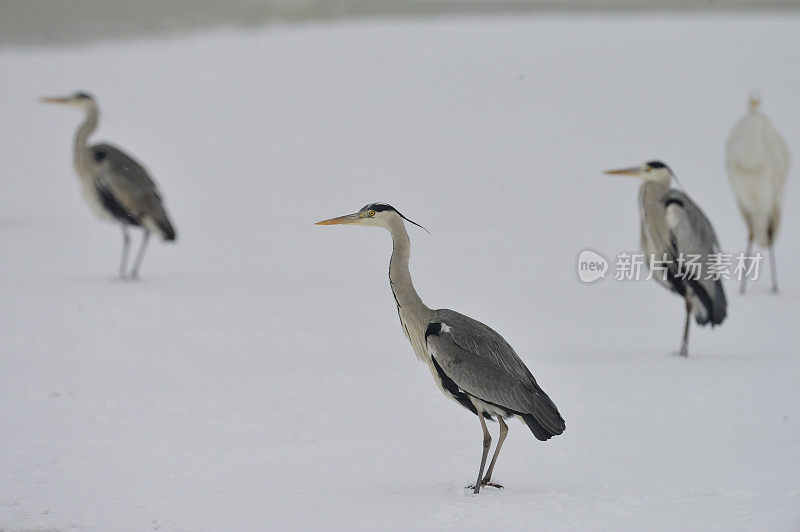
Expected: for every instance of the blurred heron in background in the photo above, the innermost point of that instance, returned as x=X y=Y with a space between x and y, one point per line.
x=675 y=231
x=757 y=160
x=116 y=187
x=470 y=363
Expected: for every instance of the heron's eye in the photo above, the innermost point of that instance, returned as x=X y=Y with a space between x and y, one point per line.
x=372 y=213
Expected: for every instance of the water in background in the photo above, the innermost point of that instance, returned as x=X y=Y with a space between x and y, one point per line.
x=55 y=22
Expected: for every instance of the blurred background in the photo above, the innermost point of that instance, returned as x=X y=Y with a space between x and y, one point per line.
x=54 y=22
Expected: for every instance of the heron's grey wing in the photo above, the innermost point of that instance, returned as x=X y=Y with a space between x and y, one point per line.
x=688 y=234
x=482 y=364
x=119 y=176
x=688 y=223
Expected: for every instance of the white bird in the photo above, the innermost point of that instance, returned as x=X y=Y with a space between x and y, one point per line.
x=757 y=161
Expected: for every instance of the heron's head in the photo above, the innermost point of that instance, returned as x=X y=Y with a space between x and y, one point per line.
x=374 y=214
x=81 y=100
x=649 y=171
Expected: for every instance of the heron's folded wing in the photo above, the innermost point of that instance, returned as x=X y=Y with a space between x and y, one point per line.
x=476 y=337
x=482 y=364
x=683 y=230
x=479 y=376
x=691 y=231
x=689 y=235
x=126 y=180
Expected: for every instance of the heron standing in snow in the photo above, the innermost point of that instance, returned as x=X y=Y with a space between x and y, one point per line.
x=674 y=228
x=470 y=363
x=757 y=161
x=116 y=187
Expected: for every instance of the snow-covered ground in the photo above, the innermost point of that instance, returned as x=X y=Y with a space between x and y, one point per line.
x=257 y=377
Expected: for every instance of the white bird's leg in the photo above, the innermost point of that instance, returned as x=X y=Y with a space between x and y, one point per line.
x=126 y=244
x=503 y=433
x=772 y=268
x=487 y=442
x=685 y=343
x=747 y=258
x=140 y=255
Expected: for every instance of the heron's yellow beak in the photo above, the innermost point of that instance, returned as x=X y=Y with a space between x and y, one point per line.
x=633 y=171
x=51 y=99
x=347 y=219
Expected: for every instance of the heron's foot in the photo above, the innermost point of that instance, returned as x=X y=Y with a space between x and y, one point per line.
x=684 y=352
x=486 y=482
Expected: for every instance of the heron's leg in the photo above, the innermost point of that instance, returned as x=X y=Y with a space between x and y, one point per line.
x=140 y=255
x=487 y=442
x=126 y=244
x=503 y=433
x=772 y=268
x=685 y=343
x=747 y=256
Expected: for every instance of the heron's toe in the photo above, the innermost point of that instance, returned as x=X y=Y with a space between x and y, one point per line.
x=484 y=483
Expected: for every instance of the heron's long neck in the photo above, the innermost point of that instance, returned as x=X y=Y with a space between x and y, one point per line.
x=399 y=275
x=651 y=203
x=86 y=129
x=651 y=193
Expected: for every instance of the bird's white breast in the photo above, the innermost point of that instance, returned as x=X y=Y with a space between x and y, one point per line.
x=757 y=161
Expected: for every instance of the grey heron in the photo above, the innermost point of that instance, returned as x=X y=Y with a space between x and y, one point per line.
x=757 y=161
x=674 y=231
x=116 y=187
x=470 y=363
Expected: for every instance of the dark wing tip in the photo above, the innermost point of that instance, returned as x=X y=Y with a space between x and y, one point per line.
x=541 y=432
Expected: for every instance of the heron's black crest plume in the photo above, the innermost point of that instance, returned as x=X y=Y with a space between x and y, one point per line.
x=83 y=95
x=380 y=207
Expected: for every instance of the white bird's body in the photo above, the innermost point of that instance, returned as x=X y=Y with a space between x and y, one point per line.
x=757 y=161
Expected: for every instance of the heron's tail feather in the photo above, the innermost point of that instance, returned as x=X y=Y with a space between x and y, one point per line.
x=158 y=222
x=708 y=300
x=167 y=231
x=545 y=421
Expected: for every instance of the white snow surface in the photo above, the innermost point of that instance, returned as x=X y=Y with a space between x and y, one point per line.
x=257 y=377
